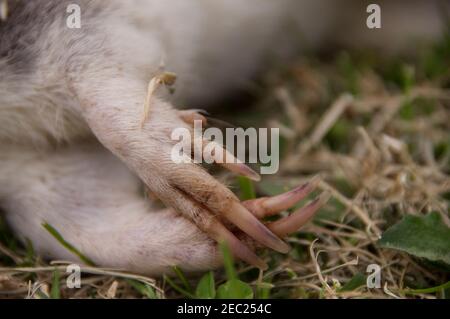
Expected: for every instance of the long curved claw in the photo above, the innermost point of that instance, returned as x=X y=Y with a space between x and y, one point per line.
x=216 y=198
x=211 y=225
x=284 y=201
x=293 y=222
x=248 y=223
x=219 y=233
x=224 y=158
x=267 y=206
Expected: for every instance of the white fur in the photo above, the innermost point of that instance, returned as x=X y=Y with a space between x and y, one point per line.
x=96 y=204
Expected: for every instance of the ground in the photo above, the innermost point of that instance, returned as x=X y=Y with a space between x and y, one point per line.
x=377 y=131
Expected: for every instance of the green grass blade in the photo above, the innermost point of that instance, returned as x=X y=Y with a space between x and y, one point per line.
x=67 y=245
x=428 y=290
x=178 y=288
x=55 y=293
x=228 y=261
x=183 y=279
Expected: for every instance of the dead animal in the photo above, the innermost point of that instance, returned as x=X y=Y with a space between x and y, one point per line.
x=81 y=129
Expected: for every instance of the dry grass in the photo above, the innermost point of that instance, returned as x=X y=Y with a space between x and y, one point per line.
x=378 y=133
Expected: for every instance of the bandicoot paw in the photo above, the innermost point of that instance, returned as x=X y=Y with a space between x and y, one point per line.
x=141 y=136
x=240 y=242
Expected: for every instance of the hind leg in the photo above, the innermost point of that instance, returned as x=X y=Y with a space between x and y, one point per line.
x=98 y=206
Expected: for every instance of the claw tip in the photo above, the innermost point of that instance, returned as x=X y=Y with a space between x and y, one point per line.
x=251 y=174
x=285 y=248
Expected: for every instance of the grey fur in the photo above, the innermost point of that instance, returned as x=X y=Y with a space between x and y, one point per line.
x=26 y=23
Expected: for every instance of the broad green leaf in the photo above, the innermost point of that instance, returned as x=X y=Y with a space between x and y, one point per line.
x=421 y=236
x=206 y=287
x=357 y=281
x=234 y=289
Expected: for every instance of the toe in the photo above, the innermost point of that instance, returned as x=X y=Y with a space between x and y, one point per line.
x=208 y=223
x=267 y=206
x=293 y=222
x=207 y=191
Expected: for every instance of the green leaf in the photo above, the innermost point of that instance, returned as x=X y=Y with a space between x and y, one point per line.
x=357 y=281
x=206 y=288
x=143 y=289
x=247 y=189
x=421 y=236
x=67 y=245
x=234 y=289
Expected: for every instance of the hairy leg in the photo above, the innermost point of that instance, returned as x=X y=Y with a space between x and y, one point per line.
x=99 y=207
x=114 y=109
